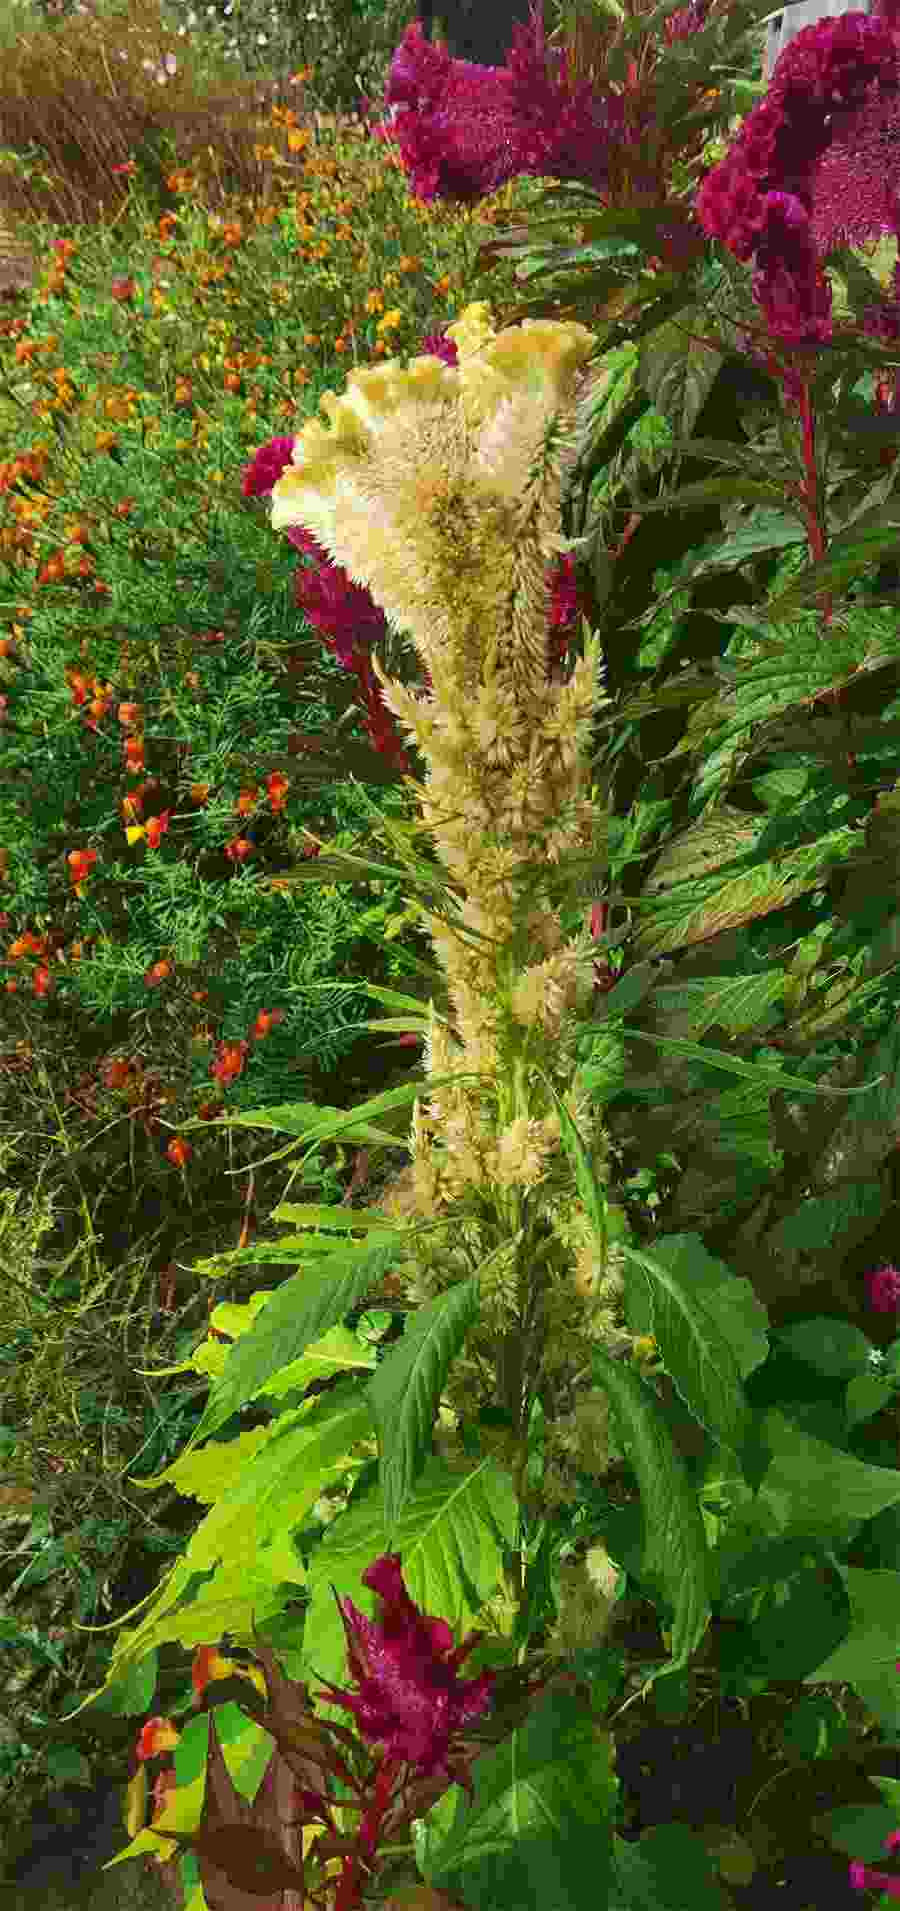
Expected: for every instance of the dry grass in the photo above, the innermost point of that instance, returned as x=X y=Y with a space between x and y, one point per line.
x=80 y=95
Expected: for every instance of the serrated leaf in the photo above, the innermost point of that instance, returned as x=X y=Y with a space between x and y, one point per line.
x=739 y=1003
x=675 y=1549
x=297 y=1315
x=712 y=905
x=405 y=1389
x=846 y=560
x=727 y=1297
x=539 y=1832
x=677 y=372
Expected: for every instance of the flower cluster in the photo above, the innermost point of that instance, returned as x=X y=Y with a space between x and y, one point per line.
x=465 y=130
x=811 y=168
x=344 y=614
x=883 y=1288
x=688 y=20
x=410 y=1704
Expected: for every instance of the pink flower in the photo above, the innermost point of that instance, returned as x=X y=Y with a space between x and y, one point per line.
x=410 y=1701
x=884 y=1289
x=464 y=130
x=808 y=166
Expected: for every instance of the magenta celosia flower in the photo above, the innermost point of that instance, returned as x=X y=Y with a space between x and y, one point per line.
x=266 y=466
x=688 y=20
x=464 y=130
x=883 y=1288
x=807 y=170
x=410 y=1700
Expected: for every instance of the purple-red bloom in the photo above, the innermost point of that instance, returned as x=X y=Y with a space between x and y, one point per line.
x=811 y=169
x=464 y=130
x=410 y=1700
x=884 y=1289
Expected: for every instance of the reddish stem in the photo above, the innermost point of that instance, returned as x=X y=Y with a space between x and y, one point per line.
x=347 y=1896
x=815 y=530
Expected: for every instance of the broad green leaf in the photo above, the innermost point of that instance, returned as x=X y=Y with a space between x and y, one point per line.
x=824 y=1220
x=228 y=1601
x=845 y=561
x=727 y=1297
x=451 y=1537
x=276 y=1487
x=667 y=1869
x=539 y=1832
x=859 y=1830
x=832 y=1346
x=738 y=1003
x=710 y=905
x=297 y=1315
x=405 y=1390
x=867 y=1657
x=338 y=1352
x=675 y=1548
x=867 y=1395
x=812 y=1487
x=692 y=1347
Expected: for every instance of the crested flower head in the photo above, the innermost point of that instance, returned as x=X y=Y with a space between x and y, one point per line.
x=811 y=168
x=465 y=130
x=417 y=487
x=410 y=1700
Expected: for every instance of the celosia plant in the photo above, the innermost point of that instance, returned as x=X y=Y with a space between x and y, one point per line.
x=439 y=487
x=411 y=1706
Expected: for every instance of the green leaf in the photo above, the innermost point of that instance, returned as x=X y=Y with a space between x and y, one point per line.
x=405 y=1389
x=675 y=1549
x=812 y=1487
x=846 y=560
x=693 y=1349
x=707 y=906
x=830 y=1345
x=539 y=1832
x=866 y=1658
x=677 y=372
x=451 y=1537
x=589 y=1189
x=668 y=1869
x=824 y=1220
x=759 y=1072
x=296 y=1315
x=337 y=1220
x=859 y=1830
x=815 y=1728
x=867 y=1395
x=706 y=491
x=802 y=1620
